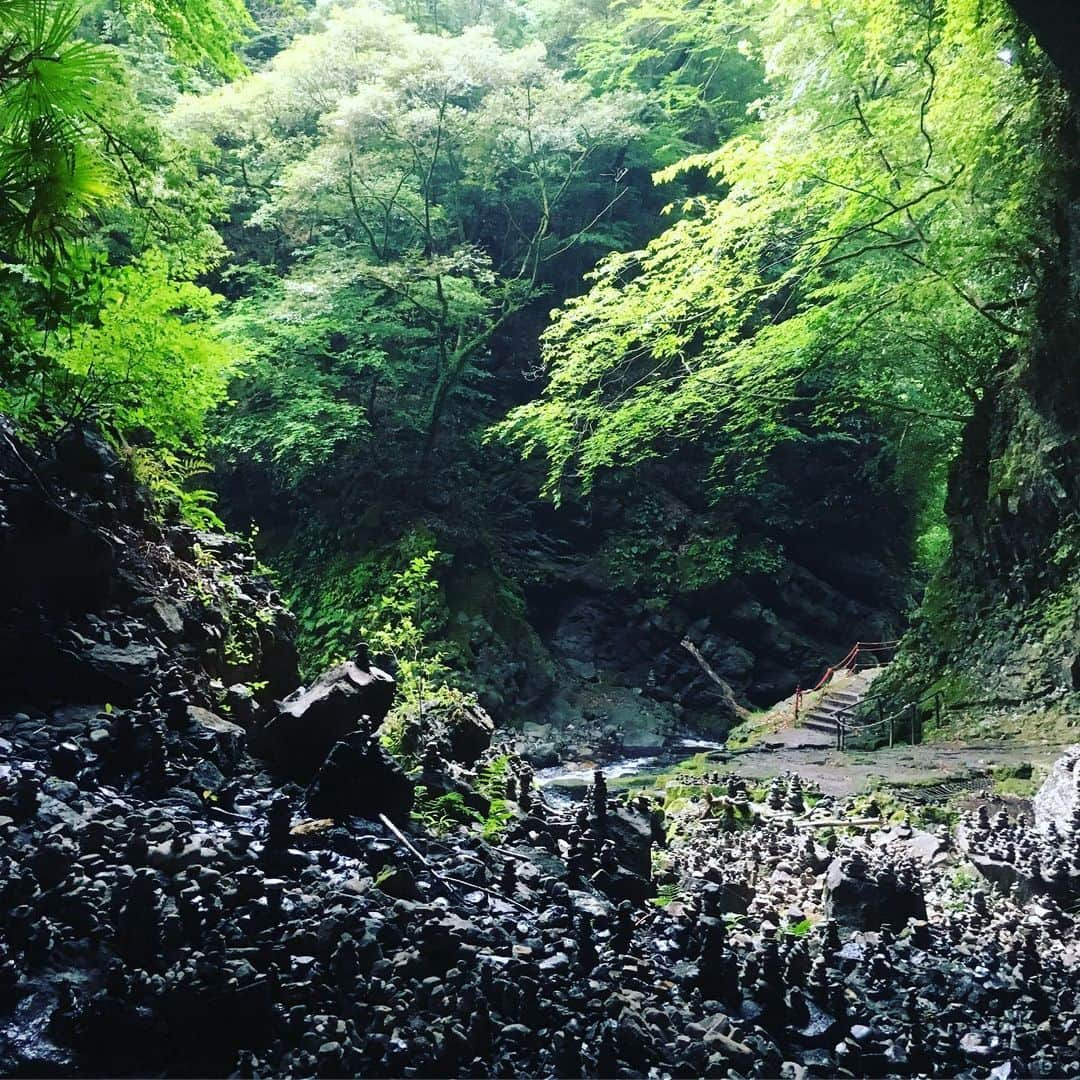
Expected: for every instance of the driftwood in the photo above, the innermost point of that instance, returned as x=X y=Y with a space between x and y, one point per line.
x=457 y=883
x=726 y=1041
x=856 y=822
x=695 y=652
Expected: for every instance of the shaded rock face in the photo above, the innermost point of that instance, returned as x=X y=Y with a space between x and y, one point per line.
x=1002 y=621
x=309 y=722
x=101 y=604
x=857 y=900
x=625 y=592
x=1058 y=798
x=631 y=831
x=461 y=731
x=360 y=778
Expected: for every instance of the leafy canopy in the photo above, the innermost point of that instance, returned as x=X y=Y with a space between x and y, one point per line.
x=870 y=244
x=422 y=186
x=50 y=175
x=103 y=229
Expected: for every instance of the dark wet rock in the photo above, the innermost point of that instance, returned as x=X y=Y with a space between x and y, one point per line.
x=120 y=673
x=399 y=882
x=163 y=617
x=463 y=728
x=229 y=737
x=167 y=907
x=81 y=452
x=631 y=831
x=345 y=699
x=859 y=899
x=359 y=777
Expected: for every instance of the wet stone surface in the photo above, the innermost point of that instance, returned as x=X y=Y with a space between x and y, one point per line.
x=145 y=930
x=171 y=904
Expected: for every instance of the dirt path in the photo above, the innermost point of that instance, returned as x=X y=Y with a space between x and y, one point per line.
x=853 y=771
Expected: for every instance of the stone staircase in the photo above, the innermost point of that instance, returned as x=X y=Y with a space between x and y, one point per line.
x=838 y=699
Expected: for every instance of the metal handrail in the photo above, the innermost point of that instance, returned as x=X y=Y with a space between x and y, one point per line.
x=849 y=663
x=909 y=711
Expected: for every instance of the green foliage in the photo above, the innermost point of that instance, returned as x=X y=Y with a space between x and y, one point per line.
x=421 y=185
x=140 y=354
x=869 y=245
x=204 y=32
x=491 y=779
x=398 y=624
x=695 y=61
x=103 y=231
x=152 y=359
x=661 y=554
x=441 y=815
x=390 y=600
x=50 y=174
x=963 y=880
x=1017 y=786
x=500 y=815
x=932 y=548
x=925 y=816
x=667 y=893
x=168 y=476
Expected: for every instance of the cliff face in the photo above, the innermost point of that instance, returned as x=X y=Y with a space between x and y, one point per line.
x=1001 y=624
x=103 y=606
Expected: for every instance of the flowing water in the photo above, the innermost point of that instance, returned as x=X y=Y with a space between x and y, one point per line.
x=568 y=781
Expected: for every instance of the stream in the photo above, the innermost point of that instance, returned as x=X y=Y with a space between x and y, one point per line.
x=568 y=781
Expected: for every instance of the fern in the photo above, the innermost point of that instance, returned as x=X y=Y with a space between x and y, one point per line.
x=500 y=815
x=667 y=894
x=442 y=814
x=491 y=777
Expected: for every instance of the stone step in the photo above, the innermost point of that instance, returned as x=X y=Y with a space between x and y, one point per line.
x=822 y=717
x=834 y=708
x=839 y=705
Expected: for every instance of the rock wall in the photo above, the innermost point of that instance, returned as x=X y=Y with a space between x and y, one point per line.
x=1000 y=626
x=103 y=606
x=652 y=619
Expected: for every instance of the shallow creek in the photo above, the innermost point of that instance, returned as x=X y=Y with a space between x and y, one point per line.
x=568 y=781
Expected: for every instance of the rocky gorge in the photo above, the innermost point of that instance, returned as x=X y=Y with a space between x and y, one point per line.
x=207 y=871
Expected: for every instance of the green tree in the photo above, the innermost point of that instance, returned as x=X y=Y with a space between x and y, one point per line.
x=870 y=246
x=50 y=174
x=695 y=61
x=415 y=180
x=101 y=236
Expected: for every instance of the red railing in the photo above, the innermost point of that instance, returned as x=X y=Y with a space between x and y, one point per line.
x=849 y=663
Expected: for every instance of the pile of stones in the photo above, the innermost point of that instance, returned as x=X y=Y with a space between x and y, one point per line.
x=144 y=929
x=196 y=880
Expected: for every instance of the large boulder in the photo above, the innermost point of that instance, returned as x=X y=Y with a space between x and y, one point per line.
x=360 y=778
x=462 y=730
x=1056 y=800
x=81 y=454
x=348 y=697
x=124 y=671
x=630 y=829
x=861 y=900
x=229 y=737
